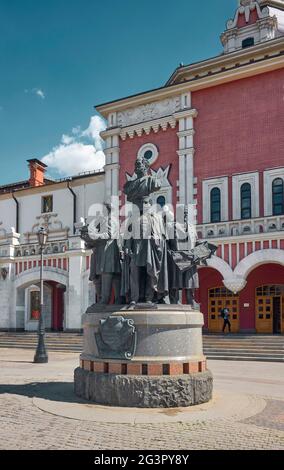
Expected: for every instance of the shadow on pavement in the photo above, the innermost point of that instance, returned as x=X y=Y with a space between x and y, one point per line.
x=54 y=391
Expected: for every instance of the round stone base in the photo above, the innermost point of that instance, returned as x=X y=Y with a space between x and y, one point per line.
x=144 y=391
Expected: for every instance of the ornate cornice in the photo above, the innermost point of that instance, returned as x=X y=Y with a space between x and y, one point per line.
x=188 y=151
x=186 y=113
x=146 y=127
x=189 y=132
x=110 y=150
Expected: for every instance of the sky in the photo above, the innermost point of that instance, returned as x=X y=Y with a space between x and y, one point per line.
x=59 y=58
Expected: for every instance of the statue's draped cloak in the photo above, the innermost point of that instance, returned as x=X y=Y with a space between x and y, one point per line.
x=136 y=190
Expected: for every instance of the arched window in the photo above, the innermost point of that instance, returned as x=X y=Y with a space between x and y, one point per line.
x=246 y=201
x=215 y=205
x=161 y=201
x=248 y=42
x=278 y=196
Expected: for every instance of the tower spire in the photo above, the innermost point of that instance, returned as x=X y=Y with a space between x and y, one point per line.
x=255 y=21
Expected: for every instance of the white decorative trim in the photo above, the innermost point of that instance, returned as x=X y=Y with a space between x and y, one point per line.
x=186 y=113
x=252 y=261
x=149 y=147
x=220 y=265
x=149 y=112
x=235 y=284
x=269 y=176
x=29 y=323
x=246 y=7
x=147 y=127
x=207 y=186
x=110 y=132
x=50 y=274
x=185 y=152
x=238 y=181
x=112 y=166
x=32 y=325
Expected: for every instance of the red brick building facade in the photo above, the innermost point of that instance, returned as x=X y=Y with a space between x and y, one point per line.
x=216 y=131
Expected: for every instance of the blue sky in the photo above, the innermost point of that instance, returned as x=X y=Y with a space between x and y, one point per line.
x=58 y=58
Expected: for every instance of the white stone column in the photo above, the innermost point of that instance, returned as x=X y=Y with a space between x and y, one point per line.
x=75 y=289
x=111 y=137
x=186 y=153
x=7 y=275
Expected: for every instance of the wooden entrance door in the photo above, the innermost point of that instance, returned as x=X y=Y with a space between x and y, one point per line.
x=58 y=308
x=264 y=314
x=220 y=298
x=270 y=309
x=277 y=315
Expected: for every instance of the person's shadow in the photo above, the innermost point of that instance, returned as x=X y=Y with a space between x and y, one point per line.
x=54 y=391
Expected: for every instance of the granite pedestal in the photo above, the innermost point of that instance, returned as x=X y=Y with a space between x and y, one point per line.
x=166 y=367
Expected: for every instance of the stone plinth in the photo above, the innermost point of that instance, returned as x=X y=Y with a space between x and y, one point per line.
x=167 y=367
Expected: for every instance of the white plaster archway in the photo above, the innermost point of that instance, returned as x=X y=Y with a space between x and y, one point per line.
x=252 y=261
x=32 y=276
x=220 y=265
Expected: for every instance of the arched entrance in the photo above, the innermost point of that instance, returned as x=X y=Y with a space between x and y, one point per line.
x=261 y=301
x=219 y=298
x=270 y=309
x=27 y=310
x=53 y=308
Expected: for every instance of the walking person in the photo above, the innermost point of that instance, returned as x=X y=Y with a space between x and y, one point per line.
x=226 y=317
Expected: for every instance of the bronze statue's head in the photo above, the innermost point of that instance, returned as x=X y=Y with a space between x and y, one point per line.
x=141 y=167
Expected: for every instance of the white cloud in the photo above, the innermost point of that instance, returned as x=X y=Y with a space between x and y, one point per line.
x=67 y=139
x=82 y=151
x=40 y=93
x=36 y=91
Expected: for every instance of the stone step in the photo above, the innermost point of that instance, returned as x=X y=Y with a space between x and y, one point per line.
x=266 y=348
x=255 y=352
x=49 y=347
x=263 y=358
x=243 y=350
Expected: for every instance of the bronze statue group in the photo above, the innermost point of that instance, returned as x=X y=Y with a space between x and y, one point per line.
x=153 y=258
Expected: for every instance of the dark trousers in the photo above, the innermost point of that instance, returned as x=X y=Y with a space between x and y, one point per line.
x=110 y=281
x=174 y=296
x=227 y=322
x=140 y=284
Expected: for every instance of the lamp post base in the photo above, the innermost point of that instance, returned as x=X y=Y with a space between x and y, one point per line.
x=41 y=356
x=40 y=359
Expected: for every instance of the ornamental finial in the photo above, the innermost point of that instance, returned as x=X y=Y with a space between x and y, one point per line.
x=245 y=3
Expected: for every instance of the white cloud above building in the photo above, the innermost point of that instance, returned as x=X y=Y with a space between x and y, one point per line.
x=79 y=152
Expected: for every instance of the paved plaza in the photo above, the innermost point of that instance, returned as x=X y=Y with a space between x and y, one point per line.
x=39 y=411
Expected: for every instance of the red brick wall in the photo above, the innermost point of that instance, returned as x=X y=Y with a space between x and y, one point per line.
x=167 y=143
x=239 y=128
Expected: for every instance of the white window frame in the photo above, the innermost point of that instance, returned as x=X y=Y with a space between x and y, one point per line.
x=207 y=186
x=269 y=176
x=145 y=148
x=238 y=181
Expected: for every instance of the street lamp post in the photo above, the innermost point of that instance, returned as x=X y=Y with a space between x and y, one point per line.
x=41 y=356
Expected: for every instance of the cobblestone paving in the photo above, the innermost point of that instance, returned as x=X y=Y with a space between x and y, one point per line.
x=271 y=417
x=23 y=426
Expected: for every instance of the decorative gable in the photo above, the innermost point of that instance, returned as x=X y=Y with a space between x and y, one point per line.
x=255 y=21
